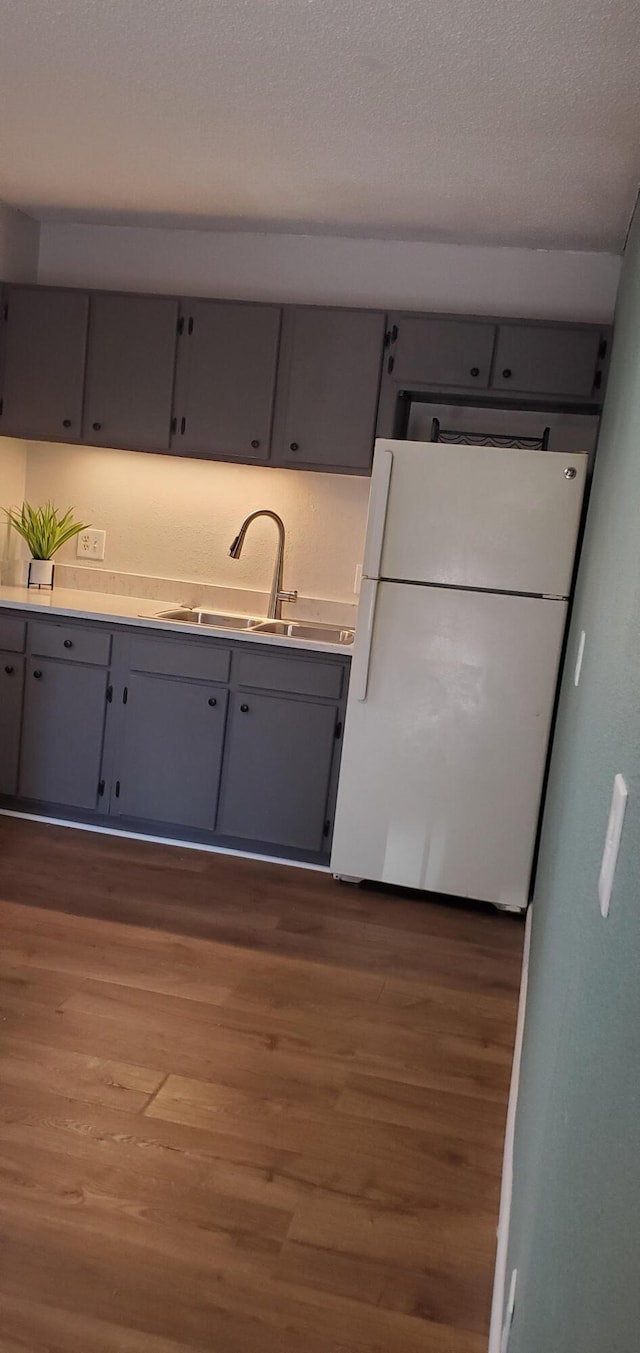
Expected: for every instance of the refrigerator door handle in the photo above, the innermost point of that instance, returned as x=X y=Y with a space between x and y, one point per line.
x=364 y=638
x=378 y=500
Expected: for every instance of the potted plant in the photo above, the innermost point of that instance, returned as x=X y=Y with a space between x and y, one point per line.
x=45 y=531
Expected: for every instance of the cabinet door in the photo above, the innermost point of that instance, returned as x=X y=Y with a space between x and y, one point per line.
x=439 y=351
x=168 y=769
x=225 y=379
x=130 y=367
x=328 y=380
x=62 y=732
x=45 y=335
x=277 y=768
x=542 y=360
x=11 y=687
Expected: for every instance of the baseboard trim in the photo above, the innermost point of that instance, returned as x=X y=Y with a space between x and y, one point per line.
x=506 y=1192
x=164 y=840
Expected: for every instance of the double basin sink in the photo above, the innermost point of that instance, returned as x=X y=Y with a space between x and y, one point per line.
x=288 y=629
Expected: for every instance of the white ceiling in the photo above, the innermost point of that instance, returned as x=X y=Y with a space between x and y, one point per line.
x=507 y=121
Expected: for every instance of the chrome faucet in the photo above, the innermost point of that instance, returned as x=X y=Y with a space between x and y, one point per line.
x=276 y=596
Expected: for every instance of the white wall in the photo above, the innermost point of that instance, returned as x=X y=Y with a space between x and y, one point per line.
x=331 y=269
x=19 y=244
x=19 y=238
x=174 y=518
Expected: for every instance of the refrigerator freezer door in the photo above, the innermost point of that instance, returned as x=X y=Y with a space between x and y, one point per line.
x=443 y=762
x=480 y=516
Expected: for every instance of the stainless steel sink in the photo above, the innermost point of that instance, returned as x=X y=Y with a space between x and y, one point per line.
x=212 y=618
x=306 y=629
x=287 y=629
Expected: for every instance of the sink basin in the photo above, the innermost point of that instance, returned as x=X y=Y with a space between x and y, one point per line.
x=306 y=629
x=212 y=618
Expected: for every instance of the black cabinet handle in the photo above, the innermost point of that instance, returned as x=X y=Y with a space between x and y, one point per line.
x=212 y=700
x=66 y=422
x=183 y=424
x=9 y=671
x=68 y=643
x=96 y=426
x=294 y=446
x=117 y=789
x=174 y=425
x=255 y=443
x=507 y=373
x=244 y=709
x=475 y=371
x=37 y=675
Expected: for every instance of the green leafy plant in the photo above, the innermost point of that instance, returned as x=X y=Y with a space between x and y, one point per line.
x=43 y=528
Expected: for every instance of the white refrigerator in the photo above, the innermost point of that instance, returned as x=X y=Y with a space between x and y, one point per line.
x=467 y=571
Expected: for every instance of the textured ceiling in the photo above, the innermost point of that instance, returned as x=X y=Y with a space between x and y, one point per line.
x=504 y=122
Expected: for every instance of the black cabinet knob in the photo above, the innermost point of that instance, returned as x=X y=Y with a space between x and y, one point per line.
x=255 y=443
x=245 y=709
x=294 y=446
x=475 y=371
x=507 y=373
x=37 y=674
x=212 y=700
x=9 y=670
x=96 y=426
x=68 y=643
x=66 y=422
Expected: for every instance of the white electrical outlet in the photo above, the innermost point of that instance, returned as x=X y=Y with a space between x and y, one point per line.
x=579 y=657
x=612 y=843
x=91 y=544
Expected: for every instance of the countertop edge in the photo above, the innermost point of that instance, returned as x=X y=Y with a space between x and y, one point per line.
x=116 y=617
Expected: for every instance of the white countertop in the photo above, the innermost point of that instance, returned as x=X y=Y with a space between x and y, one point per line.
x=141 y=611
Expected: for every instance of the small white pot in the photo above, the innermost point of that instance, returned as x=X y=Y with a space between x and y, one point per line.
x=40 y=573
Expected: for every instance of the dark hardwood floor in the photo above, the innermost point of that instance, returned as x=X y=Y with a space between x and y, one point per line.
x=243 y=1109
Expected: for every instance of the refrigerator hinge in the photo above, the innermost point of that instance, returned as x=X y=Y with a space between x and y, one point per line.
x=552 y=596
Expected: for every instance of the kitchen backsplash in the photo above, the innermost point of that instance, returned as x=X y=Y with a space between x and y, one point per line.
x=170 y=521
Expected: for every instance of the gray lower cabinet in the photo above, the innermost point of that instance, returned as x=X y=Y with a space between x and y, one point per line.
x=277 y=770
x=62 y=732
x=172 y=738
x=44 y=335
x=11 y=688
x=221 y=739
x=225 y=380
x=130 y=362
x=327 y=395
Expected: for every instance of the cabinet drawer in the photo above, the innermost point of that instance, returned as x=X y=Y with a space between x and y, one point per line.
x=163 y=657
x=71 y=642
x=12 y=633
x=269 y=672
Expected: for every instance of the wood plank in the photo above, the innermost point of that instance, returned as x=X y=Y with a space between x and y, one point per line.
x=243 y=1108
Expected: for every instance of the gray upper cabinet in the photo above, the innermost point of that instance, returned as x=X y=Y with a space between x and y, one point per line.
x=440 y=351
x=277 y=770
x=130 y=368
x=546 y=360
x=62 y=733
x=225 y=380
x=168 y=769
x=11 y=687
x=44 y=334
x=327 y=394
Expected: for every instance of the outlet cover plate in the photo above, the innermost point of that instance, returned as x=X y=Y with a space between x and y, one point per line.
x=91 y=544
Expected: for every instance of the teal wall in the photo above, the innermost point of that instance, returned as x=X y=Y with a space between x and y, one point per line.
x=575 y=1229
